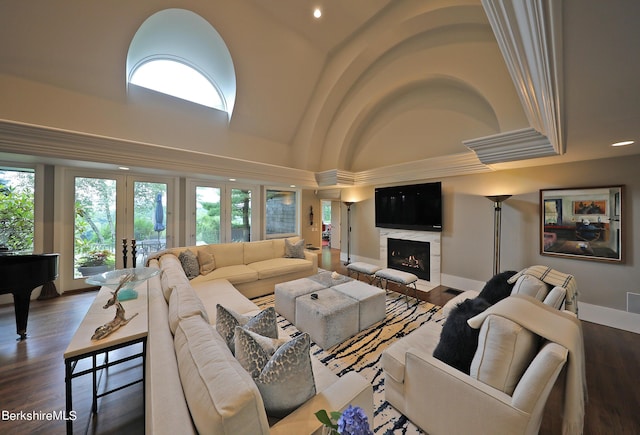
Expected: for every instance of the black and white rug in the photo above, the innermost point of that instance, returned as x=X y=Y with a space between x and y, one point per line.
x=362 y=353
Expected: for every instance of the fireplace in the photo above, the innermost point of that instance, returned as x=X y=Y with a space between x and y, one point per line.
x=409 y=256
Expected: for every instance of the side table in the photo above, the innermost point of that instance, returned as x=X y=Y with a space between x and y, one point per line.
x=82 y=346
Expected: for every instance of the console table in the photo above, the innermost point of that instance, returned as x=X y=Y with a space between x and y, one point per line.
x=81 y=346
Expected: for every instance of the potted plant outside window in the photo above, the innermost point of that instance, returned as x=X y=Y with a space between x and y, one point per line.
x=95 y=262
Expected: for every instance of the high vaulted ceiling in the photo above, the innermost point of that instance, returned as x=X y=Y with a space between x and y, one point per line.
x=371 y=88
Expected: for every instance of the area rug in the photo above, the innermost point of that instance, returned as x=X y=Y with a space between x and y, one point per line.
x=362 y=353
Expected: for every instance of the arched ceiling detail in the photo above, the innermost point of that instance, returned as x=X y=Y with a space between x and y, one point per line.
x=394 y=57
x=375 y=138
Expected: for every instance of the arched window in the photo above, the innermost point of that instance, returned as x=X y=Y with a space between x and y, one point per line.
x=178 y=53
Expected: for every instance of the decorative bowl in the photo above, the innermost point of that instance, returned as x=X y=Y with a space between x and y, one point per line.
x=112 y=278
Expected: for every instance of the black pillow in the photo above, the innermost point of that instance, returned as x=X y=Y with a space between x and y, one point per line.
x=458 y=341
x=497 y=288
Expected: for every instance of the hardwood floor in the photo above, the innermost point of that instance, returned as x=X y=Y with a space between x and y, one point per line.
x=32 y=374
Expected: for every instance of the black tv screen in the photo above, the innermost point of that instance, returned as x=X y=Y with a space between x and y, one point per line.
x=412 y=207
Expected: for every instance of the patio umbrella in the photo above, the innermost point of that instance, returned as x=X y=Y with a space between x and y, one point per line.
x=159 y=216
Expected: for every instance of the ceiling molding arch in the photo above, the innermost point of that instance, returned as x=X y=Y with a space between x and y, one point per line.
x=438 y=93
x=396 y=34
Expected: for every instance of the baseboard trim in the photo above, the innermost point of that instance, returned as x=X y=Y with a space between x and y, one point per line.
x=609 y=317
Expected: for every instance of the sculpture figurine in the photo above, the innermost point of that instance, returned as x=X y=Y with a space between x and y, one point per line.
x=120 y=319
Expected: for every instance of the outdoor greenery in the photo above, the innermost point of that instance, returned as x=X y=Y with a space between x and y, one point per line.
x=16 y=210
x=95 y=223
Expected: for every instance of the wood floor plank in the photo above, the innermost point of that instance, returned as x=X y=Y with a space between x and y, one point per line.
x=32 y=373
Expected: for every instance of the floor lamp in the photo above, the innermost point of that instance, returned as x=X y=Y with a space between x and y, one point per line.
x=497 y=217
x=348 y=204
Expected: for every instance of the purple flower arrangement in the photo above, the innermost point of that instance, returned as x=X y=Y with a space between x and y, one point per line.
x=353 y=421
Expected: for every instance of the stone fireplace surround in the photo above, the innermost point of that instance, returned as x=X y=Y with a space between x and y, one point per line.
x=423 y=236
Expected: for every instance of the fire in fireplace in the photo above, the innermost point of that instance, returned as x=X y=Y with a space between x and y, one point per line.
x=409 y=256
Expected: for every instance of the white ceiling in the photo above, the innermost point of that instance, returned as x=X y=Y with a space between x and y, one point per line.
x=371 y=83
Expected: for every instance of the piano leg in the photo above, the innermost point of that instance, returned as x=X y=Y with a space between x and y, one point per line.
x=22 y=299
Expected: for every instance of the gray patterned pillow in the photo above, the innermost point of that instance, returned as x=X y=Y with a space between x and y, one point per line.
x=253 y=351
x=286 y=381
x=190 y=264
x=263 y=323
x=294 y=250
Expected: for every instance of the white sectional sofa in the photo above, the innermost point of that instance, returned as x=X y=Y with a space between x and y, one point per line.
x=193 y=382
x=254 y=268
x=511 y=374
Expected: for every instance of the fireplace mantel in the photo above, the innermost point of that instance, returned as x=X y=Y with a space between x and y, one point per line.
x=423 y=236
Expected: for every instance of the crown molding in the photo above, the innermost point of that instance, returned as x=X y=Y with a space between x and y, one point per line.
x=529 y=34
x=512 y=145
x=59 y=144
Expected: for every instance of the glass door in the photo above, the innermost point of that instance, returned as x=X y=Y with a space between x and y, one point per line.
x=118 y=221
x=220 y=213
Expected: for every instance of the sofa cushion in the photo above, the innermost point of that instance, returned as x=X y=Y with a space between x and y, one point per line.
x=190 y=264
x=505 y=350
x=183 y=303
x=237 y=274
x=206 y=260
x=424 y=339
x=228 y=254
x=278 y=245
x=263 y=323
x=556 y=297
x=294 y=249
x=221 y=396
x=253 y=350
x=171 y=274
x=286 y=381
x=258 y=251
x=280 y=266
x=458 y=341
x=531 y=286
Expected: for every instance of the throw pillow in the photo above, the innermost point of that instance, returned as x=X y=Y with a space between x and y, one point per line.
x=286 y=381
x=263 y=323
x=294 y=250
x=505 y=350
x=189 y=263
x=253 y=351
x=531 y=286
x=497 y=288
x=206 y=260
x=459 y=341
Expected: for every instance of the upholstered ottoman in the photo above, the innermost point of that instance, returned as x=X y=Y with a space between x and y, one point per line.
x=371 y=301
x=330 y=319
x=286 y=294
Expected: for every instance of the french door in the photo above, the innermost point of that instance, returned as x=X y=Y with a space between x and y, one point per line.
x=113 y=221
x=221 y=213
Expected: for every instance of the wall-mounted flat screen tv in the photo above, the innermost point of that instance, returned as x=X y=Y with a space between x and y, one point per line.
x=413 y=207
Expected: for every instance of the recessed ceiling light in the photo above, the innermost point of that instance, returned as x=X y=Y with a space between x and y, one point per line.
x=124 y=168
x=623 y=143
x=292 y=185
x=317 y=13
x=232 y=179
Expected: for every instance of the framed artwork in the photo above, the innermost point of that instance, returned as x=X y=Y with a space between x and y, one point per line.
x=584 y=223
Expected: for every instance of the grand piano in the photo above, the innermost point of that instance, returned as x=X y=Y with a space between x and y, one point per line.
x=20 y=274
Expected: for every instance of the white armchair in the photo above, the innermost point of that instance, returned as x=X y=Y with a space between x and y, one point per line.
x=511 y=375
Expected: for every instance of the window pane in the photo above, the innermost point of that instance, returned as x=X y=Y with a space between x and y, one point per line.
x=149 y=218
x=281 y=212
x=16 y=210
x=178 y=80
x=207 y=215
x=240 y=215
x=95 y=226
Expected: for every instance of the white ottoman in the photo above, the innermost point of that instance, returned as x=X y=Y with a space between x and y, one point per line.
x=371 y=301
x=286 y=294
x=360 y=267
x=330 y=319
x=404 y=279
